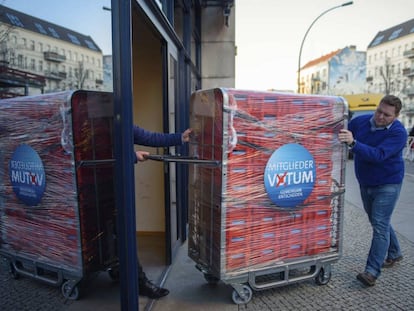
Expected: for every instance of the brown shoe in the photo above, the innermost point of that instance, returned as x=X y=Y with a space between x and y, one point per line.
x=366 y=278
x=388 y=263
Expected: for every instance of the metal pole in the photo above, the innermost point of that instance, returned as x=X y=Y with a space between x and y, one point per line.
x=124 y=163
x=307 y=31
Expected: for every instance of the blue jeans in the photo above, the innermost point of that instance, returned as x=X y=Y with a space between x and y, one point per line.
x=379 y=203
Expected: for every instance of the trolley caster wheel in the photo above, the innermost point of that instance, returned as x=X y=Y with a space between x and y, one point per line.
x=243 y=295
x=114 y=274
x=323 y=277
x=70 y=290
x=210 y=279
x=15 y=275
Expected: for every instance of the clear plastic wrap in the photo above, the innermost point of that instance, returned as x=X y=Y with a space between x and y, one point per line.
x=278 y=193
x=63 y=214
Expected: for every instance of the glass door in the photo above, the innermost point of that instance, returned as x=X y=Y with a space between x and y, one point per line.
x=172 y=206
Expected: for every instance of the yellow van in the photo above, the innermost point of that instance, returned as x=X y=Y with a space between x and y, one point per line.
x=363 y=103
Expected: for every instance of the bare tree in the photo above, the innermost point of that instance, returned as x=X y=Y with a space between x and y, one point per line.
x=4 y=40
x=386 y=73
x=81 y=73
x=394 y=82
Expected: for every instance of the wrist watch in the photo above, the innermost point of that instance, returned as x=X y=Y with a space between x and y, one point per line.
x=351 y=145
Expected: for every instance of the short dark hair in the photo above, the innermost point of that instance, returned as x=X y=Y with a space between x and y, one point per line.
x=392 y=101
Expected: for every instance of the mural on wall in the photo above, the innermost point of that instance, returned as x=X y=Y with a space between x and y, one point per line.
x=347 y=72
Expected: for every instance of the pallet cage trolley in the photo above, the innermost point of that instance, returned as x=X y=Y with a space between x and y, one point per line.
x=57 y=202
x=271 y=213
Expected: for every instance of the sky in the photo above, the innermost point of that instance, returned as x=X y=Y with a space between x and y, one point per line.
x=268 y=32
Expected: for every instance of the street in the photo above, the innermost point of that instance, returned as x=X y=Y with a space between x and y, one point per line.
x=189 y=290
x=403 y=215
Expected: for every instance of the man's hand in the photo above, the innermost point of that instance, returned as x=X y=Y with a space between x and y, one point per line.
x=186 y=135
x=345 y=136
x=141 y=155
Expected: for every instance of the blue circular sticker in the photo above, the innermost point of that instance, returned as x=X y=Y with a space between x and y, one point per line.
x=289 y=176
x=27 y=175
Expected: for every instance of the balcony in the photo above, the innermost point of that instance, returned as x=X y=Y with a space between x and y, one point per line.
x=409 y=110
x=409 y=53
x=55 y=75
x=409 y=72
x=370 y=79
x=54 y=57
x=10 y=77
x=409 y=91
x=99 y=81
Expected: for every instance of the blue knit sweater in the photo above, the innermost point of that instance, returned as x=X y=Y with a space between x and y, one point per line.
x=154 y=139
x=378 y=152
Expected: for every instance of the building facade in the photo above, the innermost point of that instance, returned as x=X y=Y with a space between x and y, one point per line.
x=40 y=57
x=387 y=67
x=390 y=66
x=337 y=73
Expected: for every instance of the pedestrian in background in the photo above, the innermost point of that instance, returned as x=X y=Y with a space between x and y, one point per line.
x=154 y=139
x=377 y=142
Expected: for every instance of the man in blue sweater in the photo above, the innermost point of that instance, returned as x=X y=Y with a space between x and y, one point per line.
x=377 y=142
x=153 y=139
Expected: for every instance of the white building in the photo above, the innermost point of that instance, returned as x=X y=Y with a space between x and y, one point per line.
x=37 y=56
x=337 y=73
x=390 y=66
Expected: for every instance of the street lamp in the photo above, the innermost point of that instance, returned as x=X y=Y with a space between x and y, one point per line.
x=307 y=31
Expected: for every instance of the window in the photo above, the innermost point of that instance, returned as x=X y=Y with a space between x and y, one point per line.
x=377 y=40
x=74 y=39
x=14 y=20
x=12 y=58
x=40 y=47
x=40 y=28
x=53 y=32
x=91 y=45
x=33 y=64
x=40 y=66
x=20 y=61
x=395 y=34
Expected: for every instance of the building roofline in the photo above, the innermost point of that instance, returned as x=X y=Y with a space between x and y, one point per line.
x=43 y=27
x=393 y=33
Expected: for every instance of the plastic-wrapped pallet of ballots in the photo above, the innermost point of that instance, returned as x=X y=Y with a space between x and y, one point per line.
x=57 y=210
x=276 y=200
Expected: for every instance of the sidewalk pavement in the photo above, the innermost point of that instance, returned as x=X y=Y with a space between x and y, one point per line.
x=190 y=292
x=393 y=291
